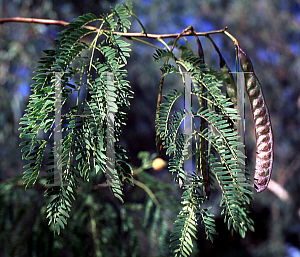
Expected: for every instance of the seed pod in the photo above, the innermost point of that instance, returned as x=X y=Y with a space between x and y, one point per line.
x=229 y=82
x=203 y=143
x=262 y=124
x=158 y=138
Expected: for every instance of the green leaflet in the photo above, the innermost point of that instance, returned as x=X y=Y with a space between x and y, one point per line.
x=161 y=54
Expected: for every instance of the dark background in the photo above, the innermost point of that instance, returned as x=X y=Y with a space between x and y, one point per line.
x=268 y=30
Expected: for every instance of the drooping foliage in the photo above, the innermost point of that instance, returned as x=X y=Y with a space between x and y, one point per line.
x=223 y=159
x=91 y=128
x=98 y=69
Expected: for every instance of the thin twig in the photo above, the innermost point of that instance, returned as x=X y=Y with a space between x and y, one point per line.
x=64 y=23
x=148 y=191
x=236 y=43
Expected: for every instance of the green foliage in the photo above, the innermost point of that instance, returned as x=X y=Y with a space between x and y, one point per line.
x=185 y=230
x=224 y=157
x=99 y=225
x=86 y=141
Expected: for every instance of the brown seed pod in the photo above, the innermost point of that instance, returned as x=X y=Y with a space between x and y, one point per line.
x=229 y=82
x=158 y=138
x=262 y=124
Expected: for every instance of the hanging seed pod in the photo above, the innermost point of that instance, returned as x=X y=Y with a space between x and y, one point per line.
x=262 y=124
x=229 y=82
x=203 y=143
x=158 y=139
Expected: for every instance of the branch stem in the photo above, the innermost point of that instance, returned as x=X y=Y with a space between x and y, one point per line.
x=154 y=36
x=236 y=43
x=148 y=191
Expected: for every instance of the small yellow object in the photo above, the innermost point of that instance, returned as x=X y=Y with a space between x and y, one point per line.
x=158 y=164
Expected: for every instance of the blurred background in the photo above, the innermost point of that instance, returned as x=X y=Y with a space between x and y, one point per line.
x=268 y=31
